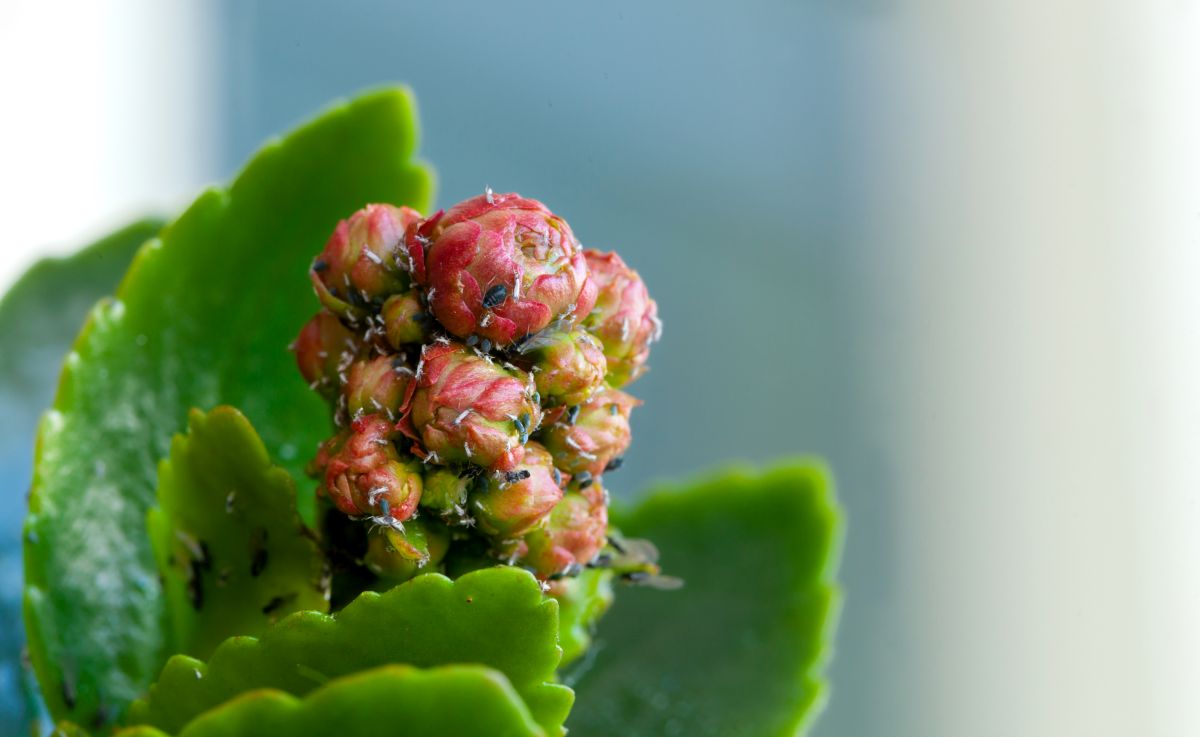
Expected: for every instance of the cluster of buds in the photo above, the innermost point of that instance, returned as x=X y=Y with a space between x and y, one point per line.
x=474 y=362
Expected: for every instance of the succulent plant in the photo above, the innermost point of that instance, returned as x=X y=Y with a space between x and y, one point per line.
x=431 y=581
x=489 y=296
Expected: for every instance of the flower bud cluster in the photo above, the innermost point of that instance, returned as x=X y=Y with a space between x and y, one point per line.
x=473 y=361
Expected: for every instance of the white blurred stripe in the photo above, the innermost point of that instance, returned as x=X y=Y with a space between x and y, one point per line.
x=107 y=113
x=1032 y=183
x=1163 y=365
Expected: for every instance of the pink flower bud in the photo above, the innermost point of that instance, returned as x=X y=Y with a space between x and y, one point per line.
x=324 y=349
x=573 y=536
x=380 y=384
x=569 y=365
x=364 y=261
x=404 y=320
x=500 y=266
x=512 y=503
x=625 y=319
x=366 y=476
x=467 y=409
x=590 y=438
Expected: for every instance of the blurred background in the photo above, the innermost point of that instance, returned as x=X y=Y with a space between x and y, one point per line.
x=951 y=247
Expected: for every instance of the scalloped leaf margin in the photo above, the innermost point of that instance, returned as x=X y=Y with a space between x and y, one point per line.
x=448 y=701
x=201 y=319
x=497 y=617
x=740 y=650
x=232 y=550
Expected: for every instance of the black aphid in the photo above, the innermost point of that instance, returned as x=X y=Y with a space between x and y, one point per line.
x=320 y=265
x=513 y=477
x=615 y=463
x=585 y=479
x=471 y=341
x=195 y=586
x=485 y=345
x=572 y=414
x=277 y=602
x=495 y=296
x=258 y=551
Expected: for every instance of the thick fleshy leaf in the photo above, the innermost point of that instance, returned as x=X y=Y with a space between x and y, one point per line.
x=39 y=317
x=738 y=651
x=230 y=545
x=450 y=701
x=202 y=318
x=497 y=617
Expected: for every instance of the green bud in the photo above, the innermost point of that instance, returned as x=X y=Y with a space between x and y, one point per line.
x=405 y=320
x=398 y=555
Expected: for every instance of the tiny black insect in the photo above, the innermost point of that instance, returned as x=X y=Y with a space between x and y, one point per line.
x=485 y=345
x=495 y=296
x=319 y=265
x=572 y=414
x=615 y=463
x=513 y=477
x=585 y=479
x=471 y=341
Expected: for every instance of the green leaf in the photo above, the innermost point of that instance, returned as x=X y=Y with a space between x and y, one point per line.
x=39 y=317
x=738 y=651
x=202 y=318
x=496 y=617
x=450 y=701
x=232 y=550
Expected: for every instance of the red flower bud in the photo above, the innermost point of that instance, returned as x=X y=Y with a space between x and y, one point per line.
x=589 y=439
x=366 y=476
x=467 y=409
x=574 y=534
x=512 y=503
x=364 y=260
x=625 y=319
x=569 y=366
x=501 y=267
x=324 y=349
x=380 y=384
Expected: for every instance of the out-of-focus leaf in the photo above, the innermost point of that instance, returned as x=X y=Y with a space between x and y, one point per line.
x=738 y=651
x=39 y=317
x=232 y=550
x=202 y=318
x=587 y=598
x=497 y=617
x=450 y=701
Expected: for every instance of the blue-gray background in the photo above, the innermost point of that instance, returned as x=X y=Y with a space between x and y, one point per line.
x=704 y=141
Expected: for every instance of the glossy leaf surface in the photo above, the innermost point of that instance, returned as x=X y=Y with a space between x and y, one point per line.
x=450 y=701
x=738 y=651
x=232 y=550
x=497 y=617
x=39 y=318
x=202 y=318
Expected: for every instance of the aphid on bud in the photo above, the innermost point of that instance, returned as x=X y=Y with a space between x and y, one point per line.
x=495 y=296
